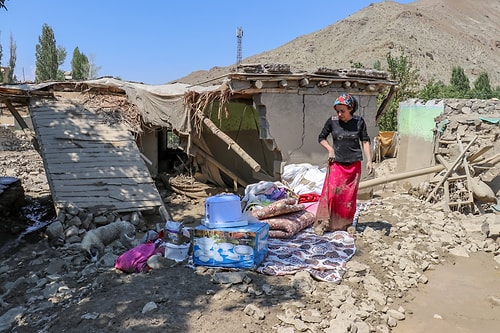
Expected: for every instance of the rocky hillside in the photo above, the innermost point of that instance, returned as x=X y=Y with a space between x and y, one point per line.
x=435 y=34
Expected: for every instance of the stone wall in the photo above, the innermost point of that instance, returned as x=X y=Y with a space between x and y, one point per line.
x=471 y=106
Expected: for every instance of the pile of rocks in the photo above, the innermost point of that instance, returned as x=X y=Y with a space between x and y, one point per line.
x=72 y=222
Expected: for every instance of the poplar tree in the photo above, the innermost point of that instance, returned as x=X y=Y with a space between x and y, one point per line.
x=12 y=59
x=482 y=87
x=459 y=82
x=46 y=56
x=79 y=65
x=93 y=68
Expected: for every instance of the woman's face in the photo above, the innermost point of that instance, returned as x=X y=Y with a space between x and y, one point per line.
x=344 y=112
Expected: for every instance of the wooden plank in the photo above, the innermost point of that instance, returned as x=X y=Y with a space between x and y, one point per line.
x=105 y=181
x=447 y=195
x=60 y=138
x=16 y=115
x=96 y=161
x=90 y=163
x=98 y=164
x=108 y=192
x=125 y=151
x=110 y=206
x=84 y=155
x=479 y=153
x=127 y=171
x=84 y=130
x=53 y=145
x=111 y=196
x=467 y=172
x=137 y=189
x=92 y=176
x=85 y=202
x=82 y=135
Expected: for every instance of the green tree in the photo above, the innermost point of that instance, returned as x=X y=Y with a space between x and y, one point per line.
x=433 y=90
x=482 y=88
x=79 y=65
x=377 y=65
x=61 y=57
x=12 y=59
x=400 y=69
x=459 y=83
x=93 y=68
x=48 y=57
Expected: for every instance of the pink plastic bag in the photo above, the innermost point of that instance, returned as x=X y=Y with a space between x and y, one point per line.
x=135 y=259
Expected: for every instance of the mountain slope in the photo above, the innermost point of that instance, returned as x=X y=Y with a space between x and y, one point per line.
x=435 y=34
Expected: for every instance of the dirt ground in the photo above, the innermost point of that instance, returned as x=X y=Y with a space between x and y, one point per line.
x=56 y=290
x=456 y=299
x=189 y=300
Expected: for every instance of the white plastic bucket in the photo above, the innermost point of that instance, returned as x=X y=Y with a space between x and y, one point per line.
x=176 y=252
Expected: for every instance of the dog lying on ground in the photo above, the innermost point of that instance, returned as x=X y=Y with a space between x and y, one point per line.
x=95 y=240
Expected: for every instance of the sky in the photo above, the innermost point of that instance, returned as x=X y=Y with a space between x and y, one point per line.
x=158 y=41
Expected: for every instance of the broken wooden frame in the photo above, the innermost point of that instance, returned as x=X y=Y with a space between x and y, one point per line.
x=452 y=168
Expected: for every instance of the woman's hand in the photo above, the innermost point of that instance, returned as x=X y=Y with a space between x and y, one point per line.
x=331 y=157
x=369 y=167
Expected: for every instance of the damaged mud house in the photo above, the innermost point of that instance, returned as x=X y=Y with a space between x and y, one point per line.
x=103 y=142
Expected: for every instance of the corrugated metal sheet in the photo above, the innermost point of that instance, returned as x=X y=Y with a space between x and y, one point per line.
x=89 y=163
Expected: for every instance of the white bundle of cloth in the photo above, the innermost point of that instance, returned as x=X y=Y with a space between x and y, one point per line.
x=304 y=178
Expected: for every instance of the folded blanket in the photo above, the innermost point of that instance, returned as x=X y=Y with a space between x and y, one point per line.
x=287 y=225
x=283 y=206
x=324 y=257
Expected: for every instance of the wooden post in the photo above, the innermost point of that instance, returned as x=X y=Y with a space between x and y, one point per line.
x=16 y=115
x=231 y=143
x=223 y=169
x=399 y=176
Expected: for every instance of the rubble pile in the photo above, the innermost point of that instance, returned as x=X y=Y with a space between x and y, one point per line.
x=11 y=140
x=72 y=222
x=466 y=144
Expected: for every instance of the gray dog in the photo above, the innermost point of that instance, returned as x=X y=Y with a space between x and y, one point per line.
x=95 y=240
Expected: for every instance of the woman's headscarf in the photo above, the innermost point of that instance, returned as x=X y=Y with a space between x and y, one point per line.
x=348 y=100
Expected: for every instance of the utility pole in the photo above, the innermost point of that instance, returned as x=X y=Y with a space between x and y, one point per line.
x=239 y=37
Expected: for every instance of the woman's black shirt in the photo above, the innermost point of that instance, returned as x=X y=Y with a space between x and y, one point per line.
x=346 y=138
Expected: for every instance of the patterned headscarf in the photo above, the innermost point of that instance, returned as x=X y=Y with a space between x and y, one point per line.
x=348 y=100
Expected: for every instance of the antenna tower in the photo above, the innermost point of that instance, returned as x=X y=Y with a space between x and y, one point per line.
x=239 y=37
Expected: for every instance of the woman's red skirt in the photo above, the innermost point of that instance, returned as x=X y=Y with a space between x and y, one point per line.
x=337 y=202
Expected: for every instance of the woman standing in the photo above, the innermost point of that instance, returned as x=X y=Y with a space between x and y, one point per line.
x=337 y=204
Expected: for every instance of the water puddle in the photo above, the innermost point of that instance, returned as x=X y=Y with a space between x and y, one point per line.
x=39 y=215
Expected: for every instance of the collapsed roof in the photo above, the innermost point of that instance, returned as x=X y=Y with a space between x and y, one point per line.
x=285 y=110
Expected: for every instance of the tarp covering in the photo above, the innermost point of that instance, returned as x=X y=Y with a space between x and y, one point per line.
x=159 y=105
